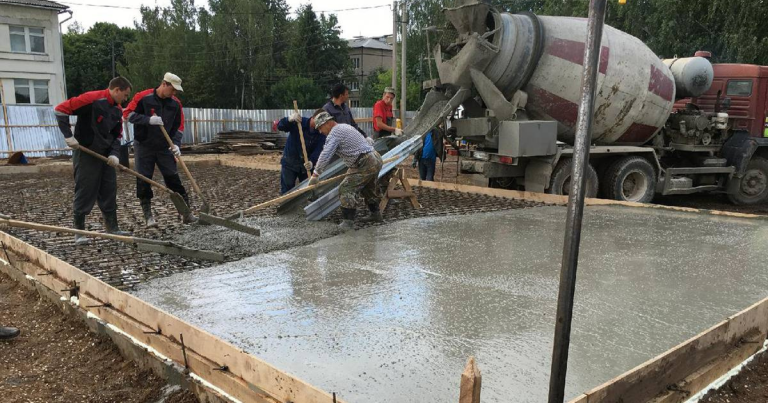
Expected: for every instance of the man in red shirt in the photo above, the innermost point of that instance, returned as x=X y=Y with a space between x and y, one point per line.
x=383 y=118
x=99 y=127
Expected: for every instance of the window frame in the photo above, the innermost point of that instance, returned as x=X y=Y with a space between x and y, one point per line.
x=728 y=87
x=31 y=86
x=27 y=39
x=355 y=62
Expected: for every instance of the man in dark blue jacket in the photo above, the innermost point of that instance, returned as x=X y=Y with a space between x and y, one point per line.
x=293 y=165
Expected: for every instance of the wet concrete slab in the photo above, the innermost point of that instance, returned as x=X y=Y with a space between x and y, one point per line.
x=391 y=313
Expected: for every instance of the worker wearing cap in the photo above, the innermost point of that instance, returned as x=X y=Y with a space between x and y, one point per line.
x=383 y=118
x=363 y=166
x=338 y=109
x=292 y=164
x=158 y=107
x=99 y=128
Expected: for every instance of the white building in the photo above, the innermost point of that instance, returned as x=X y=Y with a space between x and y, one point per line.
x=31 y=57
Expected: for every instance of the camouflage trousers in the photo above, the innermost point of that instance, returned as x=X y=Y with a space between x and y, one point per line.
x=361 y=180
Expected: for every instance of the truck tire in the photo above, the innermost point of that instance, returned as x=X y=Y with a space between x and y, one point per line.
x=753 y=187
x=560 y=181
x=630 y=178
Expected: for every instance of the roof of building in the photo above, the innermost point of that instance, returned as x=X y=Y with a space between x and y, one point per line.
x=370 y=43
x=36 y=3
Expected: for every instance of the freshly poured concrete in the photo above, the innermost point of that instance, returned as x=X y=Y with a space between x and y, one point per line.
x=391 y=314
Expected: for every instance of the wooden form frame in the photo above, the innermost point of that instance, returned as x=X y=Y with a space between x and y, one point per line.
x=673 y=376
x=247 y=378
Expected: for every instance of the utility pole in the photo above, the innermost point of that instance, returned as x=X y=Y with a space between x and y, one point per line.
x=394 y=50
x=575 y=212
x=404 y=23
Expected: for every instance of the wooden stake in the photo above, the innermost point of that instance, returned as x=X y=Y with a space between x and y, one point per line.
x=470 y=383
x=301 y=136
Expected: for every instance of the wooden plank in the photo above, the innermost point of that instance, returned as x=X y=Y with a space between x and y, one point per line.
x=471 y=381
x=280 y=385
x=707 y=353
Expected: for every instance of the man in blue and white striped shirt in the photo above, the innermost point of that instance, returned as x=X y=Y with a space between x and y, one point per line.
x=363 y=166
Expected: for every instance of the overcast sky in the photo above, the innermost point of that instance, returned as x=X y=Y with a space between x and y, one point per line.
x=362 y=22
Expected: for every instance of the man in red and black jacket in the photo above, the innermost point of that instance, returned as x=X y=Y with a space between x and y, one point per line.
x=99 y=128
x=157 y=107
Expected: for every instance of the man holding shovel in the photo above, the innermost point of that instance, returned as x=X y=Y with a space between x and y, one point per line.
x=158 y=108
x=363 y=166
x=99 y=128
x=292 y=165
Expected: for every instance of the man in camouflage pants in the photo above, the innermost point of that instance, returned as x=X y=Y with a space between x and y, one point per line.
x=363 y=166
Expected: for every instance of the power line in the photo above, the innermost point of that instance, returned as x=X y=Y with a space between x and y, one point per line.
x=226 y=13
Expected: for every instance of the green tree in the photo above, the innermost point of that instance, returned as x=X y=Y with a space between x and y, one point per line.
x=304 y=90
x=377 y=81
x=88 y=55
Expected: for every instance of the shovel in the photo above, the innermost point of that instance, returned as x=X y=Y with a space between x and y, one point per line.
x=149 y=245
x=206 y=207
x=176 y=198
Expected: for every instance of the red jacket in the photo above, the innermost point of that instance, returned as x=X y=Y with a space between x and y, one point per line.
x=136 y=98
x=99 y=121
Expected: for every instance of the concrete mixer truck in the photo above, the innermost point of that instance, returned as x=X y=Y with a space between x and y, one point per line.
x=661 y=127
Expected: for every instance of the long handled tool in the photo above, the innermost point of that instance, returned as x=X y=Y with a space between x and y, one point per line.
x=149 y=245
x=292 y=195
x=176 y=198
x=206 y=207
x=301 y=136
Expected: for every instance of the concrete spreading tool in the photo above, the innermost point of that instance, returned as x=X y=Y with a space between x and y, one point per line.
x=206 y=207
x=301 y=136
x=149 y=245
x=176 y=198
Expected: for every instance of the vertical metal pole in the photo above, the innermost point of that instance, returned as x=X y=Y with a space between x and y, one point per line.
x=403 y=54
x=576 y=202
x=5 y=118
x=394 y=51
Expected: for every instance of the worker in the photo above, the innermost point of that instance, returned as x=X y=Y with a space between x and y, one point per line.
x=158 y=107
x=8 y=333
x=338 y=109
x=383 y=119
x=426 y=157
x=363 y=166
x=292 y=164
x=99 y=128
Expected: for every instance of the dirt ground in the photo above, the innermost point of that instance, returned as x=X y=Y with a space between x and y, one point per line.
x=56 y=358
x=748 y=386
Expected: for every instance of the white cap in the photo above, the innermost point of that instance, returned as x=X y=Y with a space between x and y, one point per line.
x=174 y=80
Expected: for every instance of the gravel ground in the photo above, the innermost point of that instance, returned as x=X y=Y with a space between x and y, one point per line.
x=56 y=359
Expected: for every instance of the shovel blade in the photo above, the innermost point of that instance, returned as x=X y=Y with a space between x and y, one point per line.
x=222 y=222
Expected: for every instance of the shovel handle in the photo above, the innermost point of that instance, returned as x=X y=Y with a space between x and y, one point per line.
x=124 y=169
x=301 y=135
x=183 y=165
x=52 y=228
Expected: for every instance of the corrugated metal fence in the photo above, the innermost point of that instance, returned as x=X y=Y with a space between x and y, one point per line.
x=33 y=129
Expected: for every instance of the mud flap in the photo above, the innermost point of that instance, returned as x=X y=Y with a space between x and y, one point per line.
x=738 y=151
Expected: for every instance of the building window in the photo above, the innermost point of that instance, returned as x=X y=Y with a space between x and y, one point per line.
x=354 y=86
x=27 y=40
x=355 y=62
x=31 y=91
x=355 y=103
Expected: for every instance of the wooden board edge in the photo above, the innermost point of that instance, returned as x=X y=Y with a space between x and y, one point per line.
x=281 y=385
x=752 y=320
x=252 y=165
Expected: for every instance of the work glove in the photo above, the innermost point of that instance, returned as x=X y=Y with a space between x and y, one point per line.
x=295 y=117
x=155 y=120
x=113 y=161
x=176 y=151
x=369 y=140
x=398 y=132
x=308 y=165
x=72 y=143
x=414 y=163
x=314 y=180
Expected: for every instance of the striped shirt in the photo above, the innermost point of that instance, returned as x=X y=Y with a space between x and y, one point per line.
x=345 y=141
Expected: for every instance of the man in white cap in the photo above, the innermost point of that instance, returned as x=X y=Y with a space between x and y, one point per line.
x=157 y=107
x=363 y=166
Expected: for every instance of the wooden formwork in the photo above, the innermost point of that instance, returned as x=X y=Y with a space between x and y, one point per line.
x=673 y=376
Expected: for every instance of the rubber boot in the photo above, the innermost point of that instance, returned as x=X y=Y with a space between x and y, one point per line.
x=374 y=216
x=146 y=208
x=8 y=333
x=188 y=218
x=111 y=225
x=347 y=218
x=80 y=224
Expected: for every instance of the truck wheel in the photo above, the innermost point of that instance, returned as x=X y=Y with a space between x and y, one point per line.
x=753 y=187
x=560 y=182
x=631 y=179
